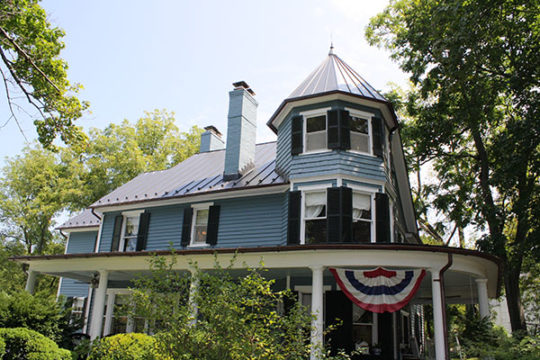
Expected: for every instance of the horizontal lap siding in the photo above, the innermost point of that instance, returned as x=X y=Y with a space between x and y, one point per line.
x=337 y=162
x=107 y=231
x=253 y=221
x=70 y=287
x=165 y=227
x=283 y=150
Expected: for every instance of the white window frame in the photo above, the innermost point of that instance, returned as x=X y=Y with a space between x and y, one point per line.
x=196 y=208
x=374 y=326
x=368 y=116
x=304 y=189
x=125 y=215
x=111 y=297
x=309 y=114
x=367 y=191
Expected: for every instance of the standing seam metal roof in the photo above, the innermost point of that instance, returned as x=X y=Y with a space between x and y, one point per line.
x=198 y=174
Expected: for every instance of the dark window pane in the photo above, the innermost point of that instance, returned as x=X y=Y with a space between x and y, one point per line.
x=361 y=231
x=359 y=125
x=317 y=123
x=315 y=231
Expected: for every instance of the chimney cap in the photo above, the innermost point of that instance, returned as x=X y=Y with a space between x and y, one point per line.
x=243 y=85
x=213 y=129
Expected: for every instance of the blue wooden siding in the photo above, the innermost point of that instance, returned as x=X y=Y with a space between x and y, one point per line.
x=107 y=231
x=253 y=221
x=79 y=242
x=337 y=162
x=70 y=287
x=165 y=227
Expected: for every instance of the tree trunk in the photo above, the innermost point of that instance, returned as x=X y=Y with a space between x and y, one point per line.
x=513 y=300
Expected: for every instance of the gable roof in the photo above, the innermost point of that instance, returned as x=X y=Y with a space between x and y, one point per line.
x=199 y=174
x=83 y=220
x=335 y=75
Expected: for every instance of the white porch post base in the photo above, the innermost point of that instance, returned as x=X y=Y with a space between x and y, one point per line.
x=438 y=316
x=99 y=305
x=483 y=303
x=317 y=312
x=31 y=281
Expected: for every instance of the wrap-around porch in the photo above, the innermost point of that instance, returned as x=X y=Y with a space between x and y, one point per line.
x=452 y=276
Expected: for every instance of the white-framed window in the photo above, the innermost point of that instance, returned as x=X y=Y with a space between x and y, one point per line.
x=364 y=326
x=315 y=130
x=314 y=216
x=361 y=132
x=117 y=318
x=199 y=224
x=362 y=217
x=130 y=230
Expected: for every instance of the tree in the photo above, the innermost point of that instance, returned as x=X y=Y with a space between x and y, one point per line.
x=31 y=65
x=119 y=153
x=34 y=187
x=476 y=115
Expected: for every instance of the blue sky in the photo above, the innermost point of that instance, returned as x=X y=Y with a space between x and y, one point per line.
x=133 y=56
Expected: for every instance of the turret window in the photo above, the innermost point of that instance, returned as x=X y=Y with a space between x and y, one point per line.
x=360 y=134
x=315 y=216
x=362 y=218
x=316 y=133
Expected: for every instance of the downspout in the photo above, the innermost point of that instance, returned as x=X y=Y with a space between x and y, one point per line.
x=93 y=211
x=443 y=301
x=62 y=233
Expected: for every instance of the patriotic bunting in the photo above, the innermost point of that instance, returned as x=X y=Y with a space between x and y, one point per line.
x=379 y=290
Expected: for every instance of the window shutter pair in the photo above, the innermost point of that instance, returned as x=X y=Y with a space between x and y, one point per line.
x=339 y=129
x=212 y=226
x=142 y=232
x=339 y=214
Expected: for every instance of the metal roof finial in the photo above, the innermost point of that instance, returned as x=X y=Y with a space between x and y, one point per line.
x=331 y=52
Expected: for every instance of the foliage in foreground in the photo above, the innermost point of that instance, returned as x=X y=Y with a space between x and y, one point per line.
x=38 y=312
x=132 y=346
x=26 y=344
x=237 y=317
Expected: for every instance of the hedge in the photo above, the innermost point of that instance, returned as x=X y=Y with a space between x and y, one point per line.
x=26 y=344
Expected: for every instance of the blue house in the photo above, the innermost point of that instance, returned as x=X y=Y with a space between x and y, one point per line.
x=327 y=206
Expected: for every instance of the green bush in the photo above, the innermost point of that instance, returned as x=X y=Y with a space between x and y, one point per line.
x=25 y=344
x=2 y=347
x=131 y=346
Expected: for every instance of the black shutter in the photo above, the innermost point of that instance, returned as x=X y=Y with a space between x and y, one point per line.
x=345 y=129
x=213 y=224
x=297 y=135
x=333 y=215
x=293 y=233
x=377 y=128
x=346 y=214
x=382 y=218
x=339 y=310
x=117 y=231
x=339 y=214
x=332 y=132
x=142 y=233
x=186 y=226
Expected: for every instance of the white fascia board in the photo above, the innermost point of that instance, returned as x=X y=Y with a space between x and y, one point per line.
x=81 y=229
x=198 y=198
x=338 y=177
x=336 y=96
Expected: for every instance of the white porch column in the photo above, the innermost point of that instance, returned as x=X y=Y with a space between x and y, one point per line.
x=99 y=305
x=438 y=316
x=31 y=281
x=483 y=303
x=317 y=312
x=193 y=289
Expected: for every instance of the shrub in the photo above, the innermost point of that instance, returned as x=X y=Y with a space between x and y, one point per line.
x=2 y=347
x=25 y=344
x=131 y=346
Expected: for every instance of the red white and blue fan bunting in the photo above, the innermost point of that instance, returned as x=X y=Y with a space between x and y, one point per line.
x=379 y=290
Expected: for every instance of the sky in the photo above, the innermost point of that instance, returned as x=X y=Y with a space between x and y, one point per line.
x=136 y=56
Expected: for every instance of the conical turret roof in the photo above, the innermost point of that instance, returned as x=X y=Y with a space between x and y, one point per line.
x=335 y=75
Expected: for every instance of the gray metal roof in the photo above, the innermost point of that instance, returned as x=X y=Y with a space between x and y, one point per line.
x=199 y=174
x=335 y=75
x=84 y=219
